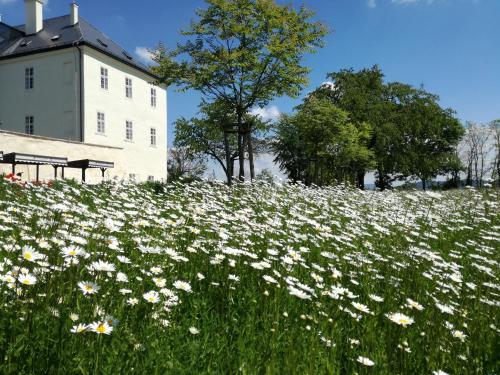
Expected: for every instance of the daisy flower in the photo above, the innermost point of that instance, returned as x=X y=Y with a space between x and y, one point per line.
x=31 y=255
x=193 y=330
x=27 y=279
x=459 y=335
x=182 y=285
x=101 y=328
x=414 y=305
x=365 y=361
x=79 y=328
x=88 y=287
x=401 y=319
x=152 y=296
x=361 y=307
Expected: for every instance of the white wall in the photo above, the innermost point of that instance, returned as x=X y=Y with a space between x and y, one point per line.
x=54 y=102
x=21 y=143
x=144 y=160
x=54 y=99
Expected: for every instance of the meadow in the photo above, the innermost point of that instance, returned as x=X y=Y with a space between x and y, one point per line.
x=200 y=278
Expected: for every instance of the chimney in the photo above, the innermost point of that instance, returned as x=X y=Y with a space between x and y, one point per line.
x=74 y=13
x=34 y=16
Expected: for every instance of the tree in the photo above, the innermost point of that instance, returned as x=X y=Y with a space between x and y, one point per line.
x=495 y=134
x=243 y=53
x=362 y=95
x=411 y=135
x=320 y=145
x=211 y=135
x=474 y=152
x=428 y=134
x=289 y=150
x=183 y=164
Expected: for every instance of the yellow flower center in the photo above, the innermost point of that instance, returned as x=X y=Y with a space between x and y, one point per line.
x=101 y=328
x=88 y=288
x=28 y=256
x=26 y=282
x=72 y=253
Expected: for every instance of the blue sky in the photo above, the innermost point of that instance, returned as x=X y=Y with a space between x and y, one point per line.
x=452 y=47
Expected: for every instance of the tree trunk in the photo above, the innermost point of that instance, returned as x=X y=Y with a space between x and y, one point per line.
x=360 y=177
x=424 y=186
x=229 y=172
x=250 y=155
x=241 y=148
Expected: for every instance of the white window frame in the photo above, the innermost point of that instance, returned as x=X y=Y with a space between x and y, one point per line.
x=104 y=78
x=128 y=87
x=153 y=97
x=29 y=125
x=129 y=131
x=29 y=78
x=151 y=178
x=101 y=123
x=152 y=137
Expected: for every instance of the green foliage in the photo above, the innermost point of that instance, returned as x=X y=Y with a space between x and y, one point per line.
x=331 y=148
x=242 y=54
x=245 y=52
x=411 y=135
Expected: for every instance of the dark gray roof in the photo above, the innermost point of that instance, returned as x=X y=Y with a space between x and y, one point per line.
x=14 y=42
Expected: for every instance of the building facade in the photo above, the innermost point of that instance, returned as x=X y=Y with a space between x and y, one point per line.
x=66 y=88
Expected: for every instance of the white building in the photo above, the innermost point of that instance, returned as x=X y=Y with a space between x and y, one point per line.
x=66 y=90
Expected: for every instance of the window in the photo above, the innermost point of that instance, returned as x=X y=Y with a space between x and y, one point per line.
x=101 y=128
x=29 y=125
x=129 y=135
x=128 y=87
x=153 y=97
x=153 y=136
x=104 y=78
x=131 y=176
x=29 y=74
x=151 y=178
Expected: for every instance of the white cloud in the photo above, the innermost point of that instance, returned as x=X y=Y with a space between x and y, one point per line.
x=144 y=54
x=371 y=3
x=268 y=113
x=4 y=2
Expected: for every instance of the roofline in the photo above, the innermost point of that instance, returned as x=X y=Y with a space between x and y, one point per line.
x=80 y=43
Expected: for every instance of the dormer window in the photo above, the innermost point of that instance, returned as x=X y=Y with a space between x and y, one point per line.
x=102 y=43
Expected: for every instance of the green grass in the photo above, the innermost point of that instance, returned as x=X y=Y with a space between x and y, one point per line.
x=324 y=250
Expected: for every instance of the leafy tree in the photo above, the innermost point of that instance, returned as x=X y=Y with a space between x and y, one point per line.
x=329 y=147
x=243 y=53
x=211 y=135
x=362 y=95
x=289 y=150
x=183 y=164
x=411 y=134
x=429 y=135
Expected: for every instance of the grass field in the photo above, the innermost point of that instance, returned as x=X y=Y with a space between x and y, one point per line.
x=120 y=279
